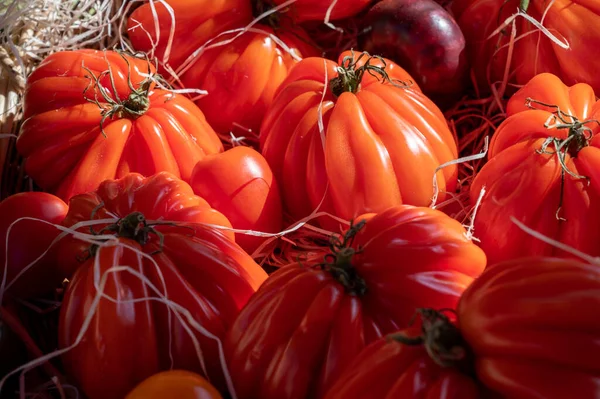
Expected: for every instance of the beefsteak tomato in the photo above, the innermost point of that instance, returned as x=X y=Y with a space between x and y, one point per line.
x=27 y=241
x=320 y=316
x=380 y=146
x=239 y=70
x=173 y=29
x=399 y=366
x=533 y=326
x=543 y=170
x=132 y=333
x=178 y=384
x=96 y=115
x=240 y=184
x=534 y=52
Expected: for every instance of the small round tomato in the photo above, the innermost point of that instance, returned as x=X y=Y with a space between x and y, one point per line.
x=28 y=240
x=178 y=384
x=239 y=184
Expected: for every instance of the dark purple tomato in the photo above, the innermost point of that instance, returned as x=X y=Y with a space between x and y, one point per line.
x=424 y=39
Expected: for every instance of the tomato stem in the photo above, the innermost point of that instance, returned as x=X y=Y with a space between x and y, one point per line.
x=578 y=137
x=134 y=106
x=350 y=75
x=524 y=5
x=339 y=261
x=441 y=339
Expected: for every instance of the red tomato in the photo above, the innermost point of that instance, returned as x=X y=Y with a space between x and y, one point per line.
x=194 y=266
x=183 y=26
x=524 y=177
x=534 y=52
x=390 y=369
x=177 y=384
x=152 y=130
x=240 y=184
x=309 y=320
x=533 y=325
x=382 y=143
x=28 y=240
x=316 y=10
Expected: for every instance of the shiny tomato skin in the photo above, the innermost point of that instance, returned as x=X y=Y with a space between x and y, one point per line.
x=534 y=52
x=316 y=326
x=178 y=384
x=198 y=267
x=381 y=145
x=388 y=369
x=28 y=240
x=523 y=183
x=61 y=139
x=533 y=324
x=195 y=22
x=239 y=183
x=241 y=77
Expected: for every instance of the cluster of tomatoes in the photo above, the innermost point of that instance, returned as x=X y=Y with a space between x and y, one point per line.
x=167 y=177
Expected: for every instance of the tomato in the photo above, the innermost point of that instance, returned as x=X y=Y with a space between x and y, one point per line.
x=242 y=77
x=240 y=74
x=309 y=320
x=178 y=384
x=28 y=240
x=534 y=52
x=175 y=30
x=533 y=326
x=422 y=37
x=71 y=144
x=196 y=267
x=240 y=184
x=389 y=368
x=317 y=10
x=382 y=142
x=524 y=178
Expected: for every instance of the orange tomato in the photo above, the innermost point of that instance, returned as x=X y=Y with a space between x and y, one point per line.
x=72 y=144
x=575 y=21
x=524 y=177
x=381 y=142
x=239 y=184
x=174 y=384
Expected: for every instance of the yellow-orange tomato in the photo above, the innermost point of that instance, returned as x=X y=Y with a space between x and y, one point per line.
x=176 y=384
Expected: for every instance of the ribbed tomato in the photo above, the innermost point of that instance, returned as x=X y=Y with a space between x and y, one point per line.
x=241 y=73
x=309 y=320
x=389 y=368
x=318 y=10
x=533 y=326
x=80 y=130
x=27 y=241
x=240 y=184
x=543 y=170
x=534 y=52
x=241 y=77
x=173 y=29
x=381 y=142
x=179 y=384
x=198 y=268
